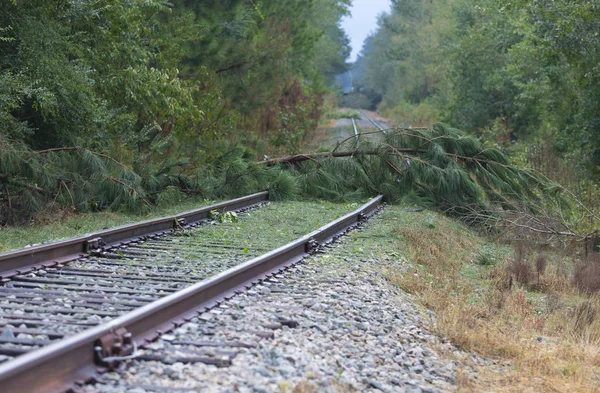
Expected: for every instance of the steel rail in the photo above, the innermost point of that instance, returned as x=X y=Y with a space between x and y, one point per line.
x=67 y=364
x=376 y=124
x=25 y=260
x=355 y=132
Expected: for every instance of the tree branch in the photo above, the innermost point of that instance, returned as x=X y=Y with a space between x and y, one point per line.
x=24 y=184
x=131 y=189
x=77 y=148
x=230 y=67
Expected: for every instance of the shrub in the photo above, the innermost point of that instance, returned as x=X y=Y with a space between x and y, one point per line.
x=540 y=266
x=586 y=277
x=522 y=271
x=584 y=315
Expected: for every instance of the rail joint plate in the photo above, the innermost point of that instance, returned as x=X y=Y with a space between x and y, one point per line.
x=94 y=244
x=180 y=222
x=312 y=245
x=114 y=347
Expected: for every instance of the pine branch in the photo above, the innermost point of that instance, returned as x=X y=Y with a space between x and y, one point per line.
x=230 y=67
x=77 y=148
x=315 y=156
x=391 y=151
x=24 y=184
x=131 y=189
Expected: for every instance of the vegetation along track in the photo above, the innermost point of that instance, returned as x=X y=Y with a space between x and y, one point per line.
x=63 y=322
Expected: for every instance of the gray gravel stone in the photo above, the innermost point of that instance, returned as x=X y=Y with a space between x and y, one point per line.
x=356 y=333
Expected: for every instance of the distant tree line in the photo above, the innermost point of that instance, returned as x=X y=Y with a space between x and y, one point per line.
x=522 y=74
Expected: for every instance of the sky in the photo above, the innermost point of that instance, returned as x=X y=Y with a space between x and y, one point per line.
x=363 y=21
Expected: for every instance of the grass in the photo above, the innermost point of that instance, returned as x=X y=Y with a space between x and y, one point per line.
x=269 y=227
x=78 y=224
x=548 y=331
x=62 y=226
x=344 y=113
x=284 y=221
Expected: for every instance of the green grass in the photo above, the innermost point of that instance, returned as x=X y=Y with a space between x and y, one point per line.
x=276 y=224
x=78 y=224
x=344 y=114
x=13 y=237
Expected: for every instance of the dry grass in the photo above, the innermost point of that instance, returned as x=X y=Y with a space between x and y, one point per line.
x=310 y=387
x=586 y=277
x=545 y=327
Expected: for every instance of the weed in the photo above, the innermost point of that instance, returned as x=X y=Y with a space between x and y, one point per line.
x=488 y=256
x=552 y=340
x=584 y=315
x=540 y=266
x=228 y=217
x=429 y=221
x=521 y=268
x=522 y=272
x=586 y=277
x=553 y=302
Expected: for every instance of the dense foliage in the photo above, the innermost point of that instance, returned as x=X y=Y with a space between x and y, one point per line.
x=109 y=103
x=524 y=74
x=125 y=104
x=440 y=167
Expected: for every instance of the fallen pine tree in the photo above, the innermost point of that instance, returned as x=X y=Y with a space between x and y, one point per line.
x=440 y=168
x=445 y=169
x=441 y=165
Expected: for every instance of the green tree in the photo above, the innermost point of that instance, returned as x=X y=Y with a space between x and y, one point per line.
x=162 y=88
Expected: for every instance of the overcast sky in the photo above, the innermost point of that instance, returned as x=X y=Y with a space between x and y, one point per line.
x=363 y=21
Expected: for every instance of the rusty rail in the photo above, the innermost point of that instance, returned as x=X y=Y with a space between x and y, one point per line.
x=47 y=255
x=356 y=136
x=375 y=123
x=68 y=363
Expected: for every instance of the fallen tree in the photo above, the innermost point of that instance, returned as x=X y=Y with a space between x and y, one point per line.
x=443 y=168
x=440 y=168
x=440 y=164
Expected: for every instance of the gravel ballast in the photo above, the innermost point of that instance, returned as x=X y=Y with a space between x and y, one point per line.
x=333 y=323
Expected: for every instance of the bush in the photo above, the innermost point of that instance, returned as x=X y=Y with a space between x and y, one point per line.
x=584 y=315
x=522 y=271
x=406 y=114
x=586 y=277
x=540 y=266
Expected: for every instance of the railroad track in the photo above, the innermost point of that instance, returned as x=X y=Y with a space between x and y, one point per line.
x=357 y=134
x=76 y=308
x=54 y=302
x=373 y=121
